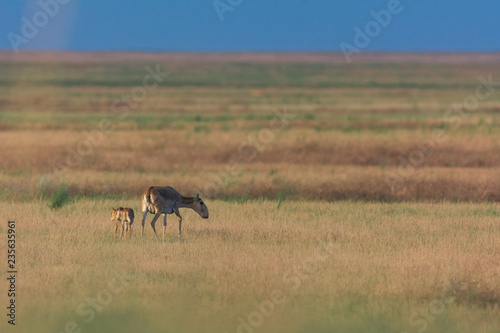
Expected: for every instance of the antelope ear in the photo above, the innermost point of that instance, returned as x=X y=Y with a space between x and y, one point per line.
x=197 y=196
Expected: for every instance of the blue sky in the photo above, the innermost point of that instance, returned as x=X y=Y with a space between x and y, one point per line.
x=249 y=25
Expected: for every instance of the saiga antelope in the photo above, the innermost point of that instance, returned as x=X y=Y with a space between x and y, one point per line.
x=165 y=200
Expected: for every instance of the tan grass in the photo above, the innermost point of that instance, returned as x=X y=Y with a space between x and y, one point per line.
x=385 y=262
x=332 y=166
x=320 y=182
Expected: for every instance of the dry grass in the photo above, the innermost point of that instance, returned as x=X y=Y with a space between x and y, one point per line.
x=377 y=263
x=161 y=150
x=351 y=128
x=280 y=57
x=421 y=256
x=332 y=166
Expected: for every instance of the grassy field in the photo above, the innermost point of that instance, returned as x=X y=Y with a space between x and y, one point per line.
x=351 y=198
x=311 y=267
x=369 y=131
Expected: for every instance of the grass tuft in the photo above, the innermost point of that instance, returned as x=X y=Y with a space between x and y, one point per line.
x=280 y=197
x=59 y=198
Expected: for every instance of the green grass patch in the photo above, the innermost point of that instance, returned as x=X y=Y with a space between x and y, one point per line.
x=59 y=198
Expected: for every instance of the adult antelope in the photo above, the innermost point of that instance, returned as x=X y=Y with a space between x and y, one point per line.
x=165 y=200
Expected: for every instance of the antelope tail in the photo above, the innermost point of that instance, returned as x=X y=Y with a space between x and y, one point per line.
x=150 y=199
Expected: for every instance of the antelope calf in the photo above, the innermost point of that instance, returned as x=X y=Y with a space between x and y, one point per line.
x=125 y=216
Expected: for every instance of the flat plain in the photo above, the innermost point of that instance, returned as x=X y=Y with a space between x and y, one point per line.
x=353 y=198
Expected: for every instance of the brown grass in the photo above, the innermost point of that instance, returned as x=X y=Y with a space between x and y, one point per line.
x=394 y=253
x=267 y=57
x=384 y=263
x=332 y=166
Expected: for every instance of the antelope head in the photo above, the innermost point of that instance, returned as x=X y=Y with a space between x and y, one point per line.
x=113 y=214
x=200 y=207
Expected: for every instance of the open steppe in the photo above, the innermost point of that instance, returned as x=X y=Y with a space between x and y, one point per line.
x=352 y=198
